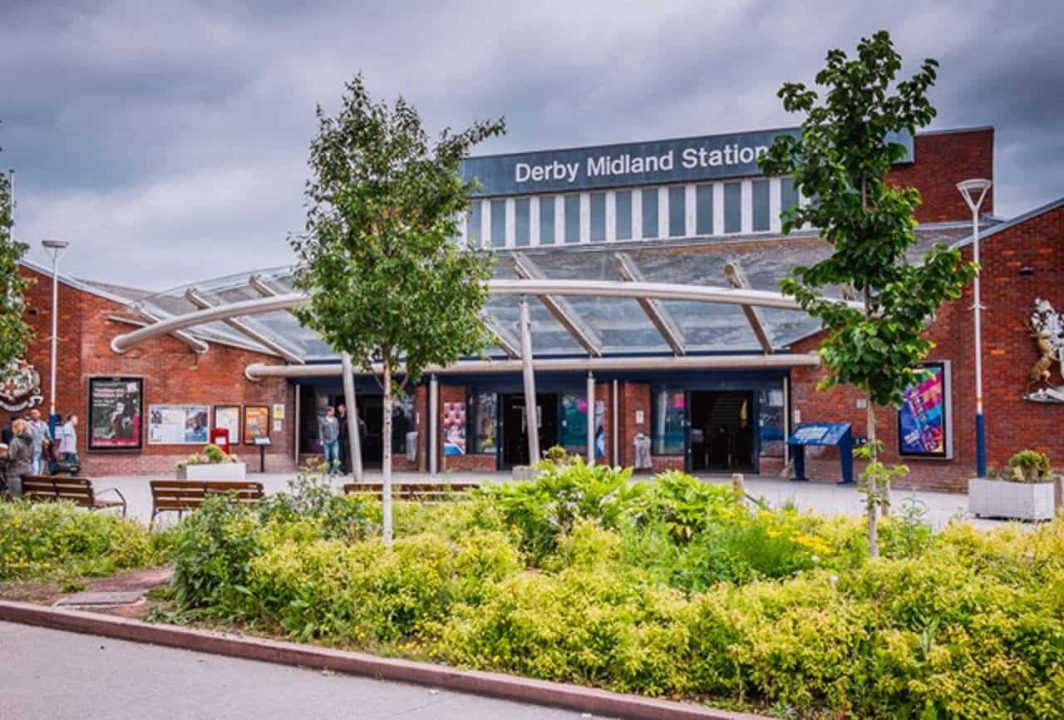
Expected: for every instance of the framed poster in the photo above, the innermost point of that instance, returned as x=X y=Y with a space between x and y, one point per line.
x=454 y=429
x=178 y=424
x=256 y=423
x=228 y=417
x=925 y=416
x=115 y=411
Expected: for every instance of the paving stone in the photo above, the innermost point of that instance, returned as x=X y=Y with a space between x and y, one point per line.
x=102 y=598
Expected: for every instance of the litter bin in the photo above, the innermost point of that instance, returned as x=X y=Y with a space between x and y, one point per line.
x=411 y=445
x=642 y=452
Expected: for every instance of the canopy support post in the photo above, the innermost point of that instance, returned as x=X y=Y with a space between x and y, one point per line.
x=353 y=434
x=531 y=416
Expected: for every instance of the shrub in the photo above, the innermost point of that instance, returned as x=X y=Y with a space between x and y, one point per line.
x=1029 y=466
x=43 y=540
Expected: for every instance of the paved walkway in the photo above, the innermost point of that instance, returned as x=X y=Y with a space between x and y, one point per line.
x=826 y=498
x=53 y=675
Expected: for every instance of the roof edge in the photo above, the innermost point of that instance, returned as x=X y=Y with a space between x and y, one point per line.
x=76 y=284
x=1018 y=220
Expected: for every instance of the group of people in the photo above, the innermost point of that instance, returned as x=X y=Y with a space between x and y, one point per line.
x=28 y=447
x=335 y=440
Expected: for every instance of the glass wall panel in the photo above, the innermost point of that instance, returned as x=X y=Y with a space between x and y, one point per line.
x=770 y=421
x=573 y=435
x=704 y=209
x=667 y=422
x=650 y=213
x=546 y=220
x=482 y=408
x=677 y=211
x=521 y=215
x=572 y=219
x=760 y=203
x=733 y=207
x=623 y=214
x=473 y=222
x=598 y=216
x=404 y=431
x=498 y=223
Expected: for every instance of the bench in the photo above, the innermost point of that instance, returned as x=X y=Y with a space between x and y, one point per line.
x=181 y=496
x=420 y=492
x=78 y=490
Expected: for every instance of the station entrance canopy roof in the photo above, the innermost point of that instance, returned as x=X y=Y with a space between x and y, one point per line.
x=608 y=303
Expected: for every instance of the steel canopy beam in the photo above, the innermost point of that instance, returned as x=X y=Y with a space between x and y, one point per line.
x=151 y=320
x=659 y=316
x=502 y=338
x=258 y=371
x=194 y=297
x=733 y=271
x=560 y=308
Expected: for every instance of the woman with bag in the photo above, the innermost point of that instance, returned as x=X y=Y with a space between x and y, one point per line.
x=19 y=456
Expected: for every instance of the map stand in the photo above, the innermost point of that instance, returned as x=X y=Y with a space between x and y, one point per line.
x=263 y=443
x=823 y=434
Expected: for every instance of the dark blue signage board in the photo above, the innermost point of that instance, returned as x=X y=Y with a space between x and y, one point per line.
x=657 y=162
x=823 y=434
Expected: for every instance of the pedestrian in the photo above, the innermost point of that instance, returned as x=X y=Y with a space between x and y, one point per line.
x=345 y=439
x=42 y=436
x=68 y=442
x=329 y=435
x=19 y=456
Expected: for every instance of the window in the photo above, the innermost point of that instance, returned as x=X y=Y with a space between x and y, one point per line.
x=473 y=223
x=667 y=422
x=650 y=213
x=788 y=194
x=521 y=235
x=572 y=219
x=677 y=211
x=404 y=433
x=770 y=421
x=704 y=209
x=733 y=207
x=574 y=423
x=546 y=220
x=623 y=214
x=482 y=407
x=760 y=202
x=498 y=223
x=598 y=216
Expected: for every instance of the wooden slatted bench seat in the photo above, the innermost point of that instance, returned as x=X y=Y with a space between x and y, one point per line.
x=421 y=492
x=182 y=496
x=78 y=490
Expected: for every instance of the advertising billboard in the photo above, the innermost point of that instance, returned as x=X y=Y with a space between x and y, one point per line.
x=924 y=416
x=116 y=405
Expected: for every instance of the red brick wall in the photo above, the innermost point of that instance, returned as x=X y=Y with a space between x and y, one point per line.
x=942 y=160
x=1009 y=352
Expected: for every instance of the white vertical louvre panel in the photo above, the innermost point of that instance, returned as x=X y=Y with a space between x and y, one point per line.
x=533 y=221
x=559 y=219
x=718 y=208
x=485 y=223
x=690 y=218
x=775 y=193
x=637 y=213
x=747 y=206
x=511 y=223
x=663 y=212
x=585 y=217
x=611 y=216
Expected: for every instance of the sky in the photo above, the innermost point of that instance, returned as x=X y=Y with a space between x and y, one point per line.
x=168 y=141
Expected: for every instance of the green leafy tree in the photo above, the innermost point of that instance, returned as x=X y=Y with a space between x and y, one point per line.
x=841 y=159
x=15 y=333
x=387 y=282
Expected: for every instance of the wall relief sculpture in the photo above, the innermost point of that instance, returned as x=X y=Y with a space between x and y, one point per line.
x=20 y=387
x=1047 y=329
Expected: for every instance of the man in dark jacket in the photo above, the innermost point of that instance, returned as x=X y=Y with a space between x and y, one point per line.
x=345 y=439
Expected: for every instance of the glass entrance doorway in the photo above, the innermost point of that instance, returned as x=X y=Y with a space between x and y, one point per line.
x=514 y=435
x=722 y=431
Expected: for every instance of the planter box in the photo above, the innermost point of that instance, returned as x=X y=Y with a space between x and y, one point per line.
x=219 y=471
x=1019 y=501
x=524 y=473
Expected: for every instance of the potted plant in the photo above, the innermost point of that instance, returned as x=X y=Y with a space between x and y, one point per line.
x=211 y=463
x=1022 y=491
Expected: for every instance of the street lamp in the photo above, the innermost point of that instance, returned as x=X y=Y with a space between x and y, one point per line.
x=55 y=248
x=974 y=192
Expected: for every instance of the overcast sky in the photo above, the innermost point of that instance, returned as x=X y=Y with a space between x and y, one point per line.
x=167 y=141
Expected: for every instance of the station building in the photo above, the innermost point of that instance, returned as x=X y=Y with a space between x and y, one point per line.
x=684 y=376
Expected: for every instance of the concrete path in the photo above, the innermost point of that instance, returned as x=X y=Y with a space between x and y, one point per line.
x=826 y=498
x=54 y=675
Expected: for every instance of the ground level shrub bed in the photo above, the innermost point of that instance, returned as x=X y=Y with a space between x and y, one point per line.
x=668 y=588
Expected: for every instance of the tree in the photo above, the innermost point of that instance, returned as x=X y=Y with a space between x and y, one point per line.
x=387 y=282
x=15 y=333
x=840 y=160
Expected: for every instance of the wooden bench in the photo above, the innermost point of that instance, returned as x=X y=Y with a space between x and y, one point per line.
x=420 y=492
x=78 y=490
x=181 y=496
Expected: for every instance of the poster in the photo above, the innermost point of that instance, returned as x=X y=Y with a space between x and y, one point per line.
x=115 y=409
x=228 y=417
x=454 y=429
x=923 y=429
x=256 y=423
x=178 y=424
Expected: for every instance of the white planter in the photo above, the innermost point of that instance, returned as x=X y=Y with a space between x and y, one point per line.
x=523 y=473
x=1019 y=501
x=219 y=471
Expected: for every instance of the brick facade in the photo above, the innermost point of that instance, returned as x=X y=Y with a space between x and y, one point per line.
x=943 y=159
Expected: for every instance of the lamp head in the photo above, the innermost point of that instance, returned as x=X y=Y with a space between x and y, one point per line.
x=54 y=244
x=974 y=191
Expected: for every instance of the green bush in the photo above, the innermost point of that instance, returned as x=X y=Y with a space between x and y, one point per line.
x=46 y=540
x=1029 y=466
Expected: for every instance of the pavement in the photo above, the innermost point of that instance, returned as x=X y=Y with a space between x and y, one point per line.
x=830 y=499
x=55 y=675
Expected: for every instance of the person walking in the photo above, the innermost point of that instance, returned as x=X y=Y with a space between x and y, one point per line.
x=345 y=439
x=19 y=456
x=68 y=441
x=41 y=435
x=329 y=434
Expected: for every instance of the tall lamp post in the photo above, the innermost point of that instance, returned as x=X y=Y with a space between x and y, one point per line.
x=974 y=192
x=55 y=248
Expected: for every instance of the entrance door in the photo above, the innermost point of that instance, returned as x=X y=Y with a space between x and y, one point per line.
x=371 y=410
x=514 y=435
x=722 y=431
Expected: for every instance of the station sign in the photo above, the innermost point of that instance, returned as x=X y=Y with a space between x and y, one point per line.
x=656 y=162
